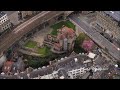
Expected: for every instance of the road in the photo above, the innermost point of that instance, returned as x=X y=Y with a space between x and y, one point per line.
x=97 y=37
x=25 y=27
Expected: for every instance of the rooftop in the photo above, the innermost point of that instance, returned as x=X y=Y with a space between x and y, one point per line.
x=2 y=14
x=114 y=14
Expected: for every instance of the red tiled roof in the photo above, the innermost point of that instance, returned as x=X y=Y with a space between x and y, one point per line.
x=66 y=32
x=7 y=66
x=70 y=31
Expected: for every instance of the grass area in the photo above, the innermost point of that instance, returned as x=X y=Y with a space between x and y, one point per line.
x=78 y=42
x=45 y=51
x=31 y=44
x=69 y=24
x=81 y=38
x=60 y=24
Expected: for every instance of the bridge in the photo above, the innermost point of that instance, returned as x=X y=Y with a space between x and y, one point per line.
x=27 y=26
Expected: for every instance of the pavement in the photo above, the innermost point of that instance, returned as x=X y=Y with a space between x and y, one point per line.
x=97 y=37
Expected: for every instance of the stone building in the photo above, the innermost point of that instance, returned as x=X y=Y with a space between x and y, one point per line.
x=4 y=22
x=107 y=24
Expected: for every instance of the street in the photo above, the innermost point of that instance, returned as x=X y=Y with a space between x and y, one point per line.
x=99 y=39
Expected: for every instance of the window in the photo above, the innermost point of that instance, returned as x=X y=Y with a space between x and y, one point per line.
x=2 y=21
x=8 y=25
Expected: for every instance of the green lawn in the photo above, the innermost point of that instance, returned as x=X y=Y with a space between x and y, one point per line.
x=69 y=24
x=78 y=42
x=45 y=51
x=31 y=44
x=60 y=24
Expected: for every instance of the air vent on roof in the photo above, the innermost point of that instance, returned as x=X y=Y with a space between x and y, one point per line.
x=39 y=68
x=82 y=53
x=62 y=58
x=16 y=74
x=28 y=75
x=35 y=70
x=65 y=57
x=62 y=77
x=58 y=60
x=21 y=72
x=116 y=65
x=2 y=73
x=76 y=60
x=43 y=67
x=21 y=77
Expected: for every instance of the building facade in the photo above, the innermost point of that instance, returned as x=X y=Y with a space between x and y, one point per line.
x=4 y=22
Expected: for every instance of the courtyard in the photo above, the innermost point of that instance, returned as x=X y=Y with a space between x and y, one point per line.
x=44 y=51
x=60 y=24
x=39 y=36
x=31 y=44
